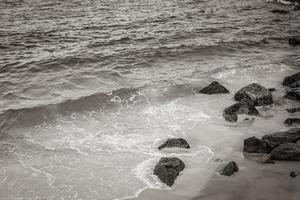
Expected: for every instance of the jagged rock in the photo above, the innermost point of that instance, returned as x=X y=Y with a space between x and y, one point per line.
x=245 y=106
x=294 y=174
x=255 y=145
x=292 y=81
x=280 y=11
x=255 y=92
x=293 y=110
x=293 y=95
x=272 y=89
x=229 y=169
x=275 y=139
x=214 y=88
x=294 y=41
x=287 y=151
x=291 y=121
x=168 y=168
x=175 y=142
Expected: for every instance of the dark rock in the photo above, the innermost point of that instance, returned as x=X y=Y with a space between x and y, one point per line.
x=255 y=92
x=272 y=89
x=293 y=95
x=293 y=110
x=280 y=11
x=214 y=88
x=294 y=174
x=229 y=169
x=245 y=106
x=291 y=121
x=168 y=168
x=175 y=142
x=269 y=161
x=292 y=81
x=288 y=151
x=255 y=145
x=275 y=139
x=277 y=20
x=294 y=41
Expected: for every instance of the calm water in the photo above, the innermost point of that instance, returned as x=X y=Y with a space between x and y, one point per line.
x=89 y=88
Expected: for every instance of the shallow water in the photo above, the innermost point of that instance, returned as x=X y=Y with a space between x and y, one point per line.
x=89 y=89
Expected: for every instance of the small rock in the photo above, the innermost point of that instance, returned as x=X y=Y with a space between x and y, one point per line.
x=175 y=142
x=272 y=89
x=288 y=151
x=168 y=168
x=292 y=81
x=293 y=110
x=214 y=88
x=275 y=139
x=255 y=145
x=294 y=41
x=229 y=169
x=256 y=93
x=245 y=106
x=294 y=174
x=291 y=121
x=269 y=161
x=280 y=11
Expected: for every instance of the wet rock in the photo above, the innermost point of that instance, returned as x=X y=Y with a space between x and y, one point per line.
x=294 y=41
x=168 y=168
x=214 y=88
x=288 y=151
x=293 y=95
x=175 y=142
x=229 y=169
x=245 y=106
x=275 y=139
x=280 y=11
x=255 y=145
x=293 y=110
x=272 y=89
x=292 y=81
x=294 y=174
x=256 y=93
x=291 y=121
x=268 y=161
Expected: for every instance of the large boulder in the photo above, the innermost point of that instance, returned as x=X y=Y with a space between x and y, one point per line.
x=168 y=168
x=255 y=145
x=291 y=121
x=288 y=151
x=275 y=139
x=245 y=106
x=229 y=169
x=292 y=81
x=175 y=142
x=214 y=88
x=256 y=93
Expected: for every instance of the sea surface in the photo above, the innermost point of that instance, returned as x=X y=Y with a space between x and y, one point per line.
x=90 y=88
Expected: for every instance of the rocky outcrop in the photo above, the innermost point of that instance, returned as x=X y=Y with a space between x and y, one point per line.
x=229 y=169
x=294 y=41
x=293 y=110
x=255 y=145
x=288 y=151
x=292 y=81
x=245 y=106
x=168 y=168
x=275 y=139
x=291 y=121
x=175 y=142
x=256 y=93
x=214 y=88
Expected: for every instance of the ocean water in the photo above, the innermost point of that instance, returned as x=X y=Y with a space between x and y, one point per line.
x=90 y=88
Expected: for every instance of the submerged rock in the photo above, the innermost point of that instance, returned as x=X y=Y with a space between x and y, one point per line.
x=291 y=121
x=168 y=168
x=214 y=88
x=294 y=174
x=280 y=11
x=288 y=151
x=175 y=142
x=294 y=41
x=293 y=110
x=245 y=106
x=255 y=145
x=256 y=93
x=275 y=139
x=292 y=81
x=229 y=169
